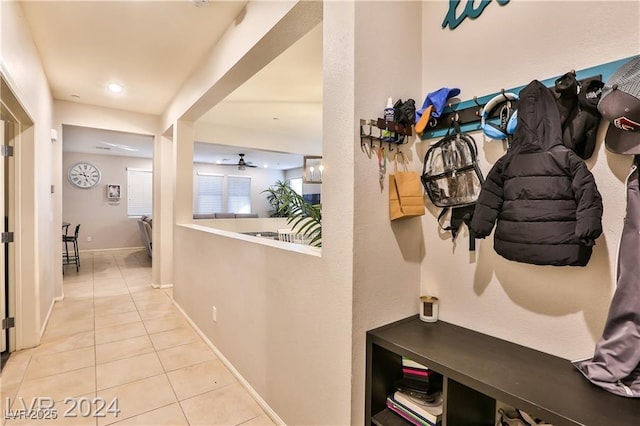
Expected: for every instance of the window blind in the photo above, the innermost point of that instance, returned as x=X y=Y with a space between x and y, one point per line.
x=209 y=196
x=140 y=192
x=239 y=194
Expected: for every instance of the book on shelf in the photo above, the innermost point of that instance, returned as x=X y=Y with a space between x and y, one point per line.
x=409 y=363
x=407 y=414
x=388 y=417
x=419 y=386
x=431 y=412
x=416 y=372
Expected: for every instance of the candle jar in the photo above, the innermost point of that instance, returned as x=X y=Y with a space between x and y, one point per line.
x=429 y=308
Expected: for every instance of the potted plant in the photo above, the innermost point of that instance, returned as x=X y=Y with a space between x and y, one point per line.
x=278 y=196
x=305 y=218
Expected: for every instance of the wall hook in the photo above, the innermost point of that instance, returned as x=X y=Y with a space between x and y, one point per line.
x=363 y=134
x=477 y=112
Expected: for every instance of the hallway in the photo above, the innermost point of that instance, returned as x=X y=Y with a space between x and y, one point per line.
x=116 y=351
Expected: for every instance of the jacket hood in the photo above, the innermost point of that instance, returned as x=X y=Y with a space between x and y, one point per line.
x=539 y=126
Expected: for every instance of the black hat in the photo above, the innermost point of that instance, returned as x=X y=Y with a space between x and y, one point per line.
x=620 y=105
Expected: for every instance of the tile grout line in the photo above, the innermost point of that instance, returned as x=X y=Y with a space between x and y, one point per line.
x=95 y=346
x=162 y=365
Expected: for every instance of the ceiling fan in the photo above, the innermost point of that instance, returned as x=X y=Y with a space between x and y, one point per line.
x=241 y=163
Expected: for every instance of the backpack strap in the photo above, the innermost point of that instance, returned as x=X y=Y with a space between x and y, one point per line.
x=459 y=215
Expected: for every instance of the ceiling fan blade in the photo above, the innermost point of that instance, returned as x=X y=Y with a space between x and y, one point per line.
x=243 y=163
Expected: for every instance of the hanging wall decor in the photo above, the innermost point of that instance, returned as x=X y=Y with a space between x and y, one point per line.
x=469 y=11
x=113 y=191
x=313 y=169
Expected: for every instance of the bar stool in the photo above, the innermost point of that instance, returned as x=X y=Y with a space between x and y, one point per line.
x=65 y=254
x=76 y=251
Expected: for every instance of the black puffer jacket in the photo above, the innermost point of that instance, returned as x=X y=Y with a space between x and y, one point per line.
x=546 y=202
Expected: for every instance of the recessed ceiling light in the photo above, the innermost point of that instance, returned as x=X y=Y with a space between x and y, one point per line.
x=115 y=87
x=218 y=162
x=266 y=166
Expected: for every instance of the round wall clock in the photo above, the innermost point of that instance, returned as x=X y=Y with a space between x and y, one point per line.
x=84 y=175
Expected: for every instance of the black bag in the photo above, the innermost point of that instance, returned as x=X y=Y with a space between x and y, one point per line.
x=404 y=112
x=452 y=178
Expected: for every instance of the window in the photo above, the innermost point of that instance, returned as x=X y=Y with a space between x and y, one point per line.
x=140 y=192
x=209 y=198
x=296 y=185
x=239 y=194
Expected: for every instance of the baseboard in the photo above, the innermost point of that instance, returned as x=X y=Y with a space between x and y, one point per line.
x=255 y=395
x=112 y=249
x=161 y=286
x=46 y=319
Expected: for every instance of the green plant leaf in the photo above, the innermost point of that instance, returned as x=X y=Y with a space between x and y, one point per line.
x=303 y=217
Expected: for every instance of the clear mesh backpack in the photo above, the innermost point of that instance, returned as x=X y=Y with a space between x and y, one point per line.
x=452 y=178
x=450 y=173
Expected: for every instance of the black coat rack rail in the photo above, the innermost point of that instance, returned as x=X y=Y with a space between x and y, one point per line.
x=373 y=130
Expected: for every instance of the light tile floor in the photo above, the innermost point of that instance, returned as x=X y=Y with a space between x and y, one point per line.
x=115 y=340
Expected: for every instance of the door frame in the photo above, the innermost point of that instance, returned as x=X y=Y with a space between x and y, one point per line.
x=5 y=292
x=24 y=300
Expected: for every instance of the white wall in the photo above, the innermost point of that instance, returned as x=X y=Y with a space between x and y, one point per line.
x=386 y=255
x=105 y=221
x=249 y=224
x=39 y=215
x=261 y=179
x=277 y=321
x=559 y=310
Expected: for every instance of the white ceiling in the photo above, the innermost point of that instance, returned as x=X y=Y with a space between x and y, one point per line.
x=106 y=142
x=151 y=47
x=225 y=154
